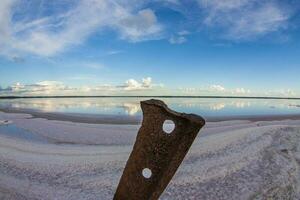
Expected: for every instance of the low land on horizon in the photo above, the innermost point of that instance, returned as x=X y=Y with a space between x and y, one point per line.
x=153 y=96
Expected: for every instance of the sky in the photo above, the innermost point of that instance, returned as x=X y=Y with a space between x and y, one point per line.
x=150 y=47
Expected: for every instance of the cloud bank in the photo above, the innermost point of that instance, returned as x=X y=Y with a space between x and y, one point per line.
x=216 y=89
x=133 y=87
x=59 y=88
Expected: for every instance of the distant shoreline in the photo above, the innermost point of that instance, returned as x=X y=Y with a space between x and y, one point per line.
x=203 y=97
x=135 y=120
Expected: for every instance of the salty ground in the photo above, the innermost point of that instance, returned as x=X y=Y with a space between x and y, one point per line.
x=235 y=159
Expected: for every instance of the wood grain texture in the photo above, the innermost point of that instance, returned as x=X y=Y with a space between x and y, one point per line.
x=158 y=151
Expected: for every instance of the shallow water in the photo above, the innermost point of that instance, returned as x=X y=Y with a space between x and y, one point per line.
x=207 y=107
x=13 y=131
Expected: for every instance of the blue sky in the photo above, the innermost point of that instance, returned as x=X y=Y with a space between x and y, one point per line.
x=143 y=47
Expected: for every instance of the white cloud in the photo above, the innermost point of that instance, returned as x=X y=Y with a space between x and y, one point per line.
x=133 y=87
x=215 y=89
x=222 y=90
x=138 y=27
x=44 y=87
x=245 y=19
x=59 y=88
x=241 y=91
x=17 y=87
x=225 y=4
x=281 y=93
x=218 y=88
x=50 y=83
x=188 y=90
x=147 y=82
x=132 y=84
x=177 y=39
x=50 y=35
x=5 y=31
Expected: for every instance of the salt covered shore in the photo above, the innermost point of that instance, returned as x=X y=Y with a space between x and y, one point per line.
x=241 y=159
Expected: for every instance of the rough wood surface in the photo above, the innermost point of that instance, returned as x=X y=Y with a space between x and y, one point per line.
x=158 y=151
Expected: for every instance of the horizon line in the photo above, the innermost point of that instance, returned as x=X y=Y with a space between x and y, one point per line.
x=145 y=96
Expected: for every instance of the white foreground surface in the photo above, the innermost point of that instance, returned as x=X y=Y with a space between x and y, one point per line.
x=5 y=122
x=228 y=160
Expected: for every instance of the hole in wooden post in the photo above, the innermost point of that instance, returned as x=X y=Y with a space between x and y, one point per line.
x=168 y=126
x=147 y=173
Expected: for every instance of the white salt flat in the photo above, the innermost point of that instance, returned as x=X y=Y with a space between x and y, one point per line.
x=5 y=122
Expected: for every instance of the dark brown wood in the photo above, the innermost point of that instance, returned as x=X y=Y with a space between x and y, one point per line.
x=158 y=151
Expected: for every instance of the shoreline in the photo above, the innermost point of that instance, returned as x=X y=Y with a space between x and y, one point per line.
x=135 y=120
x=154 y=96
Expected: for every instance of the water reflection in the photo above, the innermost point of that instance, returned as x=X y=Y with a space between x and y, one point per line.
x=131 y=106
x=218 y=106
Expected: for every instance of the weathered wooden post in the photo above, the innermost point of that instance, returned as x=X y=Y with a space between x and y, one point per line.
x=157 y=154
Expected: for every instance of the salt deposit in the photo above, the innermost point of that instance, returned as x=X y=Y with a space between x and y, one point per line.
x=229 y=160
